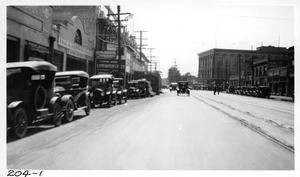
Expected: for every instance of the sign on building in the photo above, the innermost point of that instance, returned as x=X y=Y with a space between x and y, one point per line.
x=109 y=66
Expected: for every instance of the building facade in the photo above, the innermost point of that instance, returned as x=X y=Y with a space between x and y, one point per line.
x=29 y=33
x=266 y=66
x=72 y=38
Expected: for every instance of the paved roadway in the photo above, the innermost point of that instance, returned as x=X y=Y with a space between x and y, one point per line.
x=166 y=132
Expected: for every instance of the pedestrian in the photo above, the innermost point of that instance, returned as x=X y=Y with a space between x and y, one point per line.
x=215 y=89
x=218 y=89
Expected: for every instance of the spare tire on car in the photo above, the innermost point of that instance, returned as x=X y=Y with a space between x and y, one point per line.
x=39 y=97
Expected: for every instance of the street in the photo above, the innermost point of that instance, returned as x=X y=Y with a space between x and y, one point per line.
x=166 y=132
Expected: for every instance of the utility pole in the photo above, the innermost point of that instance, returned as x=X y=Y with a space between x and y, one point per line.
x=141 y=42
x=119 y=39
x=150 y=57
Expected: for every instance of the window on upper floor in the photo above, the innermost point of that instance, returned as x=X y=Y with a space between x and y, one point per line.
x=78 y=37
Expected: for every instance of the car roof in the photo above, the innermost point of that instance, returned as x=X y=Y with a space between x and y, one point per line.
x=72 y=73
x=102 y=76
x=35 y=65
x=133 y=82
x=118 y=78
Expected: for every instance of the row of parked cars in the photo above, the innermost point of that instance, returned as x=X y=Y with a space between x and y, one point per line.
x=37 y=92
x=256 y=91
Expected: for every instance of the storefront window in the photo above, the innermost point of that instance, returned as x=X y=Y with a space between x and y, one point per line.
x=78 y=37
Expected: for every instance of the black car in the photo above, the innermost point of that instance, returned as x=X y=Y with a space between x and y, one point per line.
x=133 y=89
x=145 y=88
x=30 y=95
x=183 y=88
x=263 y=91
x=230 y=89
x=173 y=86
x=121 y=92
x=101 y=90
x=71 y=86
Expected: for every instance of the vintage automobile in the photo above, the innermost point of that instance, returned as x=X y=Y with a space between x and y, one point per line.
x=145 y=88
x=263 y=91
x=173 y=86
x=133 y=89
x=238 y=90
x=71 y=87
x=230 y=89
x=101 y=90
x=183 y=88
x=30 y=95
x=121 y=92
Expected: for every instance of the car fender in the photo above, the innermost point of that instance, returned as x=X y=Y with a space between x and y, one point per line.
x=125 y=90
x=66 y=98
x=119 y=92
x=52 y=102
x=108 y=93
x=16 y=104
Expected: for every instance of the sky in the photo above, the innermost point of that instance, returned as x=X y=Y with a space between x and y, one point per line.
x=179 y=30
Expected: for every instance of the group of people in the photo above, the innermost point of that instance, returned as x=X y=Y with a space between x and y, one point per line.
x=217 y=88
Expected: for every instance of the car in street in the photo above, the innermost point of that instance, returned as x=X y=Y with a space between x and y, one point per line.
x=145 y=88
x=183 y=88
x=72 y=88
x=238 y=90
x=263 y=92
x=173 y=86
x=118 y=85
x=230 y=89
x=133 y=89
x=30 y=95
x=101 y=90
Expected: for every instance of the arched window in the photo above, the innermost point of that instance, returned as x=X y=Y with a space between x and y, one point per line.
x=78 y=37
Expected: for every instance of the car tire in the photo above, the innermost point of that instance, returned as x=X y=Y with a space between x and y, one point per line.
x=88 y=106
x=57 y=116
x=39 y=97
x=19 y=122
x=69 y=112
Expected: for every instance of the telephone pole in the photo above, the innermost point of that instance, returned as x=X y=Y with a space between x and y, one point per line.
x=150 y=58
x=119 y=39
x=141 y=42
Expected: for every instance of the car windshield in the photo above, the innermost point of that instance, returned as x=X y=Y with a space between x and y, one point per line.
x=133 y=84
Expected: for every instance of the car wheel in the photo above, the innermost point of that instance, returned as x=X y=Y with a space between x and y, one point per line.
x=57 y=116
x=88 y=106
x=19 y=122
x=69 y=112
x=120 y=99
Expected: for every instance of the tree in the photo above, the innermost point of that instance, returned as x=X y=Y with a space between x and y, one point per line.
x=174 y=74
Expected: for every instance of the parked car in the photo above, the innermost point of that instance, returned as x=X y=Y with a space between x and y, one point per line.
x=238 y=90
x=230 y=89
x=252 y=91
x=173 y=86
x=133 y=89
x=101 y=90
x=145 y=88
x=121 y=92
x=71 y=87
x=243 y=90
x=183 y=88
x=263 y=91
x=30 y=95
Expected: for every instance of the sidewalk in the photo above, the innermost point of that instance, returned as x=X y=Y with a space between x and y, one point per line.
x=282 y=98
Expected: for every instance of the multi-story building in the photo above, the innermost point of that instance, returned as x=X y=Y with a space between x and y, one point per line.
x=30 y=33
x=265 y=66
x=72 y=38
x=107 y=58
